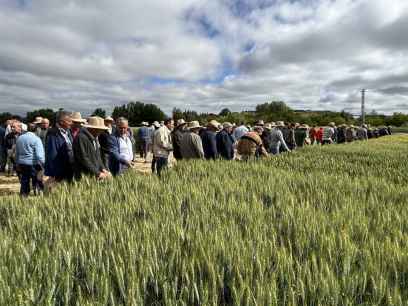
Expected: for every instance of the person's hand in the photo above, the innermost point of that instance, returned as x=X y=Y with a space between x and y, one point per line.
x=102 y=175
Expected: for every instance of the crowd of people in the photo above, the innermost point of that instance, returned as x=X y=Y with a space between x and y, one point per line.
x=104 y=147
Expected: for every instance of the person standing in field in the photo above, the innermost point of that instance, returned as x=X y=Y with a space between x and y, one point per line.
x=104 y=141
x=250 y=145
x=143 y=135
x=240 y=131
x=290 y=136
x=42 y=130
x=59 y=164
x=163 y=145
x=155 y=126
x=301 y=133
x=350 y=133
x=225 y=142
x=341 y=134
x=191 y=144
x=30 y=159
x=3 y=154
x=77 y=123
x=362 y=133
x=176 y=136
x=266 y=136
x=10 y=142
x=277 y=139
x=208 y=138
x=328 y=134
x=86 y=150
x=120 y=149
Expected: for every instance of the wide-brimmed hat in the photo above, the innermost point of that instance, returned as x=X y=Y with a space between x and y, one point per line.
x=332 y=124
x=227 y=125
x=268 y=126
x=38 y=120
x=144 y=123
x=194 y=125
x=260 y=123
x=156 y=124
x=280 y=123
x=76 y=117
x=181 y=122
x=304 y=126
x=110 y=119
x=214 y=123
x=96 y=123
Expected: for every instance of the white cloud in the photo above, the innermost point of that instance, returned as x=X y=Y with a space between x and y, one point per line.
x=203 y=55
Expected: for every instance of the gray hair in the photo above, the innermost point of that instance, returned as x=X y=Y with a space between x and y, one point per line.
x=61 y=115
x=122 y=121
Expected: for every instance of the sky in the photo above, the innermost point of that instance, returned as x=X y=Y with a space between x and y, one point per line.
x=203 y=55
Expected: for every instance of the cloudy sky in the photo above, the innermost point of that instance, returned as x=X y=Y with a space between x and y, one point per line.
x=203 y=55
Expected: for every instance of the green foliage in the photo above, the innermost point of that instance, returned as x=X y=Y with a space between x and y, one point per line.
x=137 y=112
x=224 y=112
x=45 y=113
x=5 y=116
x=322 y=226
x=99 y=112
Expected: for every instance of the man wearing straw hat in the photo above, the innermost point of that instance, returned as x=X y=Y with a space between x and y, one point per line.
x=59 y=164
x=86 y=150
x=209 y=141
x=77 y=123
x=191 y=144
x=277 y=139
x=162 y=145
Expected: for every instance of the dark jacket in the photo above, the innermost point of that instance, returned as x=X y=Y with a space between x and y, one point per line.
x=87 y=155
x=267 y=139
x=58 y=163
x=104 y=140
x=176 y=136
x=116 y=163
x=225 y=145
x=341 y=135
x=2 y=138
x=208 y=138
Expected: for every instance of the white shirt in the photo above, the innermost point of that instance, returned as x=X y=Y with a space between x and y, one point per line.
x=125 y=148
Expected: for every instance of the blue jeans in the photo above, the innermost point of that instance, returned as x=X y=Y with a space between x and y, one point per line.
x=161 y=164
x=28 y=173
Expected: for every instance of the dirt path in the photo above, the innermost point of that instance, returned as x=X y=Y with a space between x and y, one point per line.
x=10 y=185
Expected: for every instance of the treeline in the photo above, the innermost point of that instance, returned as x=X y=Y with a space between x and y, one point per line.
x=137 y=112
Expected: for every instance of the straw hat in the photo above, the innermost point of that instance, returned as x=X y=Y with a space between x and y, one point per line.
x=260 y=123
x=156 y=124
x=304 y=126
x=214 y=123
x=280 y=123
x=145 y=123
x=268 y=126
x=273 y=124
x=332 y=124
x=76 y=117
x=96 y=123
x=194 y=125
x=181 y=122
x=38 y=120
x=227 y=125
x=110 y=119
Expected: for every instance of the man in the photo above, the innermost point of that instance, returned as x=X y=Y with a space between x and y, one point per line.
x=144 y=136
x=208 y=138
x=301 y=133
x=120 y=149
x=104 y=141
x=329 y=134
x=225 y=142
x=3 y=154
x=59 y=164
x=191 y=144
x=30 y=159
x=350 y=133
x=162 y=145
x=341 y=133
x=42 y=130
x=290 y=137
x=277 y=139
x=10 y=143
x=86 y=150
x=266 y=136
x=250 y=145
x=77 y=123
x=240 y=131
x=362 y=133
x=155 y=126
x=176 y=137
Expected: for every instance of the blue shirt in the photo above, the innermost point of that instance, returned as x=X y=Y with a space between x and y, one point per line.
x=29 y=150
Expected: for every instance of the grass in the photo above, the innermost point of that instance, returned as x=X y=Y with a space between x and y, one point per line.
x=321 y=226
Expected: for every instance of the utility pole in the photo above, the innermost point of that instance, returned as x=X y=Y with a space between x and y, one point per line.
x=363 y=106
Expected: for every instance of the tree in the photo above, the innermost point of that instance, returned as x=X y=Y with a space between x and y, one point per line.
x=45 y=113
x=177 y=114
x=224 y=112
x=100 y=112
x=137 y=112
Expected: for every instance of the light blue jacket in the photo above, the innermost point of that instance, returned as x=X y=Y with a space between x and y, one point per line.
x=29 y=150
